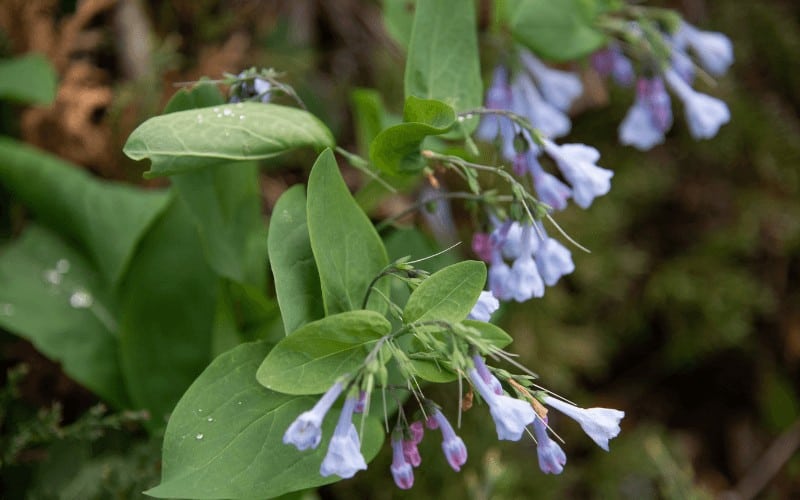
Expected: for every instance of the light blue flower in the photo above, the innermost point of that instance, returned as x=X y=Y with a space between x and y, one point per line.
x=484 y=307
x=499 y=273
x=526 y=101
x=600 y=424
x=486 y=375
x=548 y=188
x=704 y=114
x=402 y=472
x=649 y=117
x=453 y=446
x=306 y=431
x=344 y=456
x=498 y=96
x=551 y=457
x=553 y=260
x=713 y=49
x=577 y=163
x=510 y=415
x=612 y=61
x=525 y=281
x=559 y=88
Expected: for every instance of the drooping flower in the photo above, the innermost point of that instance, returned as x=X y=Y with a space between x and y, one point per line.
x=600 y=424
x=410 y=451
x=559 y=88
x=526 y=101
x=484 y=307
x=704 y=114
x=649 y=117
x=453 y=447
x=713 y=49
x=551 y=457
x=402 y=471
x=611 y=61
x=499 y=274
x=498 y=96
x=361 y=402
x=524 y=281
x=344 y=456
x=549 y=189
x=486 y=375
x=510 y=415
x=577 y=163
x=250 y=87
x=306 y=431
x=553 y=261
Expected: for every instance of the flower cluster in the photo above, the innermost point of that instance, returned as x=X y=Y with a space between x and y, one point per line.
x=650 y=116
x=513 y=416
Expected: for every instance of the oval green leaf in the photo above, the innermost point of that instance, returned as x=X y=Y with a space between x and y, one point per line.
x=311 y=359
x=447 y=295
x=224 y=439
x=192 y=139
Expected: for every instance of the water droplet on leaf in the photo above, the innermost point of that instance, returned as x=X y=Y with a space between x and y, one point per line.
x=7 y=309
x=81 y=299
x=52 y=276
x=227 y=112
x=62 y=266
x=199 y=437
x=210 y=419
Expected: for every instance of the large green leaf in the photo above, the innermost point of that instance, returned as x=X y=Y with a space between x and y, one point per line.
x=224 y=439
x=192 y=139
x=107 y=220
x=54 y=297
x=447 y=295
x=396 y=150
x=560 y=31
x=347 y=249
x=168 y=299
x=224 y=199
x=442 y=58
x=311 y=359
x=398 y=17
x=29 y=78
x=292 y=262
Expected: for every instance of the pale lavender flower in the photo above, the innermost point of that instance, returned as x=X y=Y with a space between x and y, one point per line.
x=361 y=402
x=498 y=96
x=411 y=453
x=453 y=447
x=551 y=457
x=553 y=260
x=649 y=117
x=510 y=415
x=417 y=431
x=526 y=101
x=682 y=64
x=713 y=49
x=306 y=431
x=484 y=307
x=482 y=246
x=559 y=88
x=402 y=472
x=344 y=456
x=486 y=375
x=549 y=189
x=600 y=424
x=704 y=114
x=577 y=163
x=499 y=273
x=525 y=281
x=611 y=61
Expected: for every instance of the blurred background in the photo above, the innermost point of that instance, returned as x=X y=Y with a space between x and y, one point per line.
x=686 y=315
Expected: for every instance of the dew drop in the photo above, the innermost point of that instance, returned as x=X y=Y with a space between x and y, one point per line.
x=199 y=410
x=227 y=134
x=210 y=419
x=199 y=437
x=199 y=118
x=216 y=110
x=238 y=402
x=62 y=266
x=241 y=117
x=52 y=276
x=227 y=112
x=7 y=309
x=219 y=115
x=460 y=118
x=81 y=299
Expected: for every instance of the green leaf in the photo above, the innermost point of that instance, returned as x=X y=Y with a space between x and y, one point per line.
x=292 y=262
x=396 y=150
x=224 y=439
x=398 y=18
x=347 y=249
x=447 y=295
x=107 y=220
x=224 y=200
x=193 y=139
x=369 y=116
x=442 y=61
x=492 y=334
x=41 y=273
x=168 y=300
x=559 y=31
x=311 y=359
x=29 y=78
